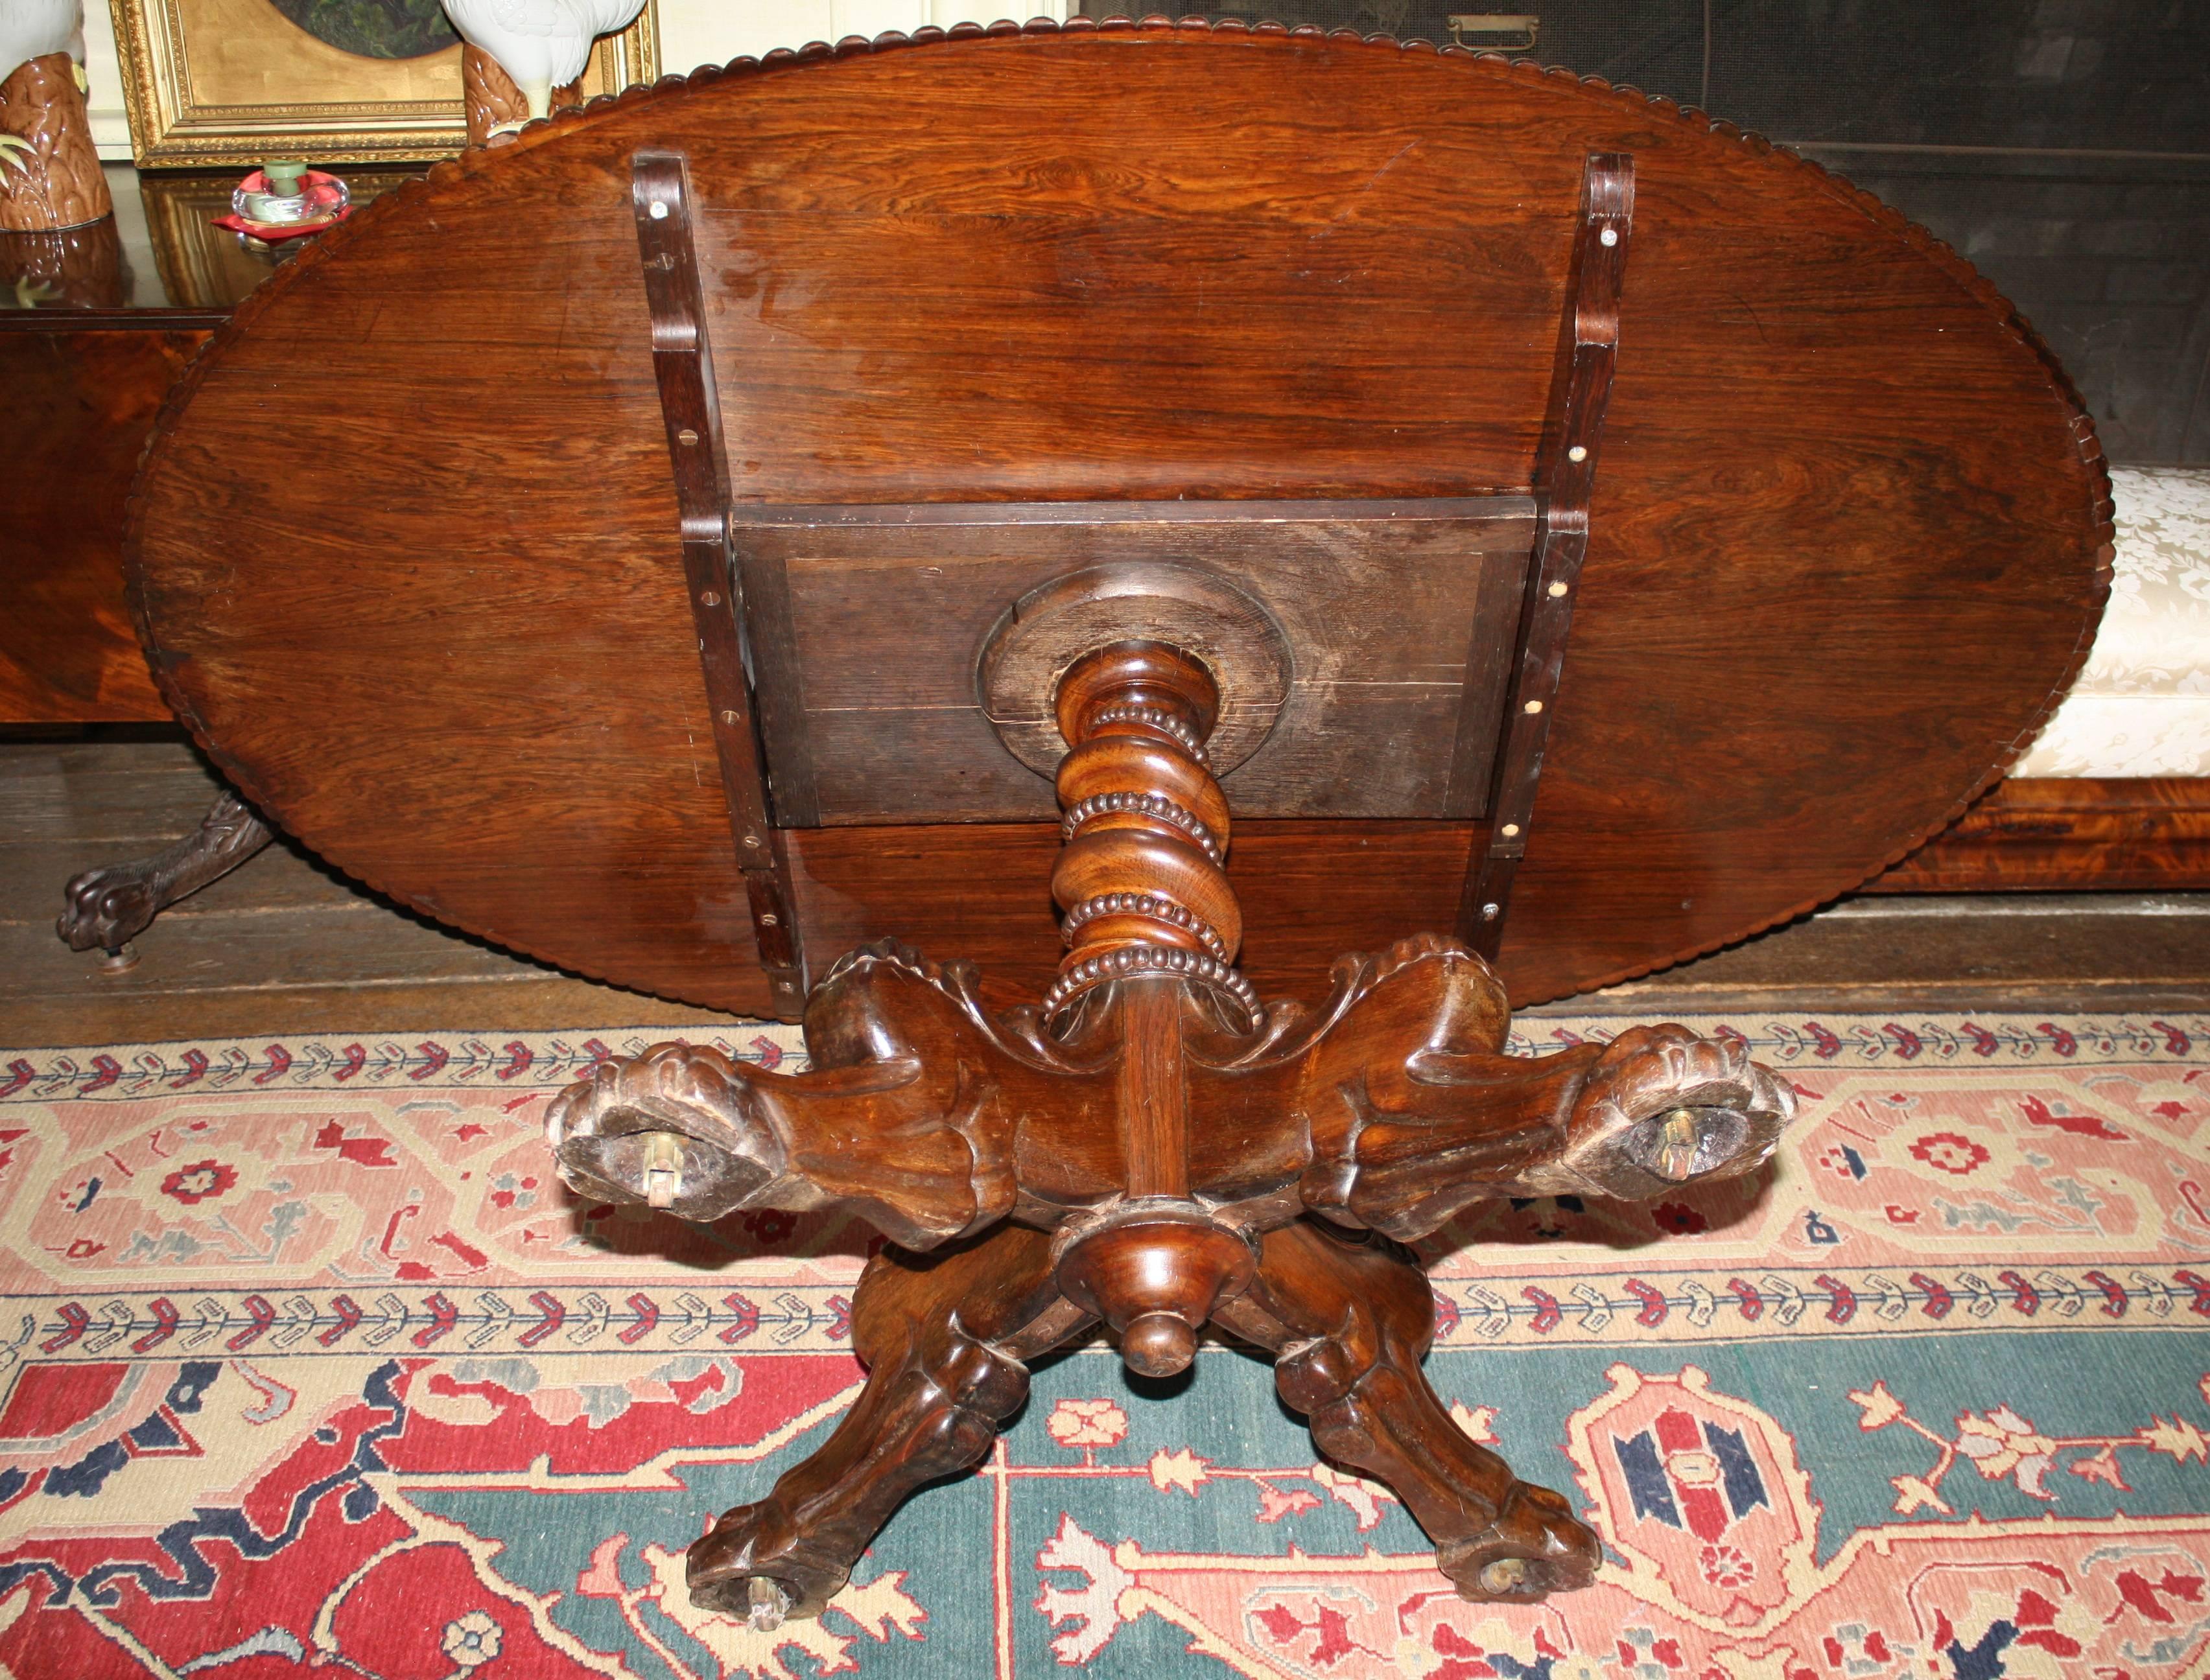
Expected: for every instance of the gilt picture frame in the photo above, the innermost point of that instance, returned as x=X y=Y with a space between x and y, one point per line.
x=232 y=82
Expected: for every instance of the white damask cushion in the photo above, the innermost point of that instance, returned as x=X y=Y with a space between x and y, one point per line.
x=2141 y=708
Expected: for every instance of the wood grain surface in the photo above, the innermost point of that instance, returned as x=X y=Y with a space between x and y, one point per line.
x=2069 y=833
x=1850 y=541
x=1397 y=616
x=285 y=945
x=79 y=405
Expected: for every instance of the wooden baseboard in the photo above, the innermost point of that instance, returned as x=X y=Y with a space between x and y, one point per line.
x=2069 y=834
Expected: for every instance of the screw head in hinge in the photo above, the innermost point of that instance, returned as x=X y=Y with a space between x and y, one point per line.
x=1577 y=453
x=752 y=841
x=1556 y=590
x=1609 y=237
x=656 y=210
x=770 y=919
x=731 y=718
x=1531 y=707
x=1489 y=913
x=686 y=438
x=709 y=597
x=1509 y=829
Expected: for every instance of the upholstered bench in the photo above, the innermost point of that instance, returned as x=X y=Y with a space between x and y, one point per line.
x=2141 y=708
x=2115 y=790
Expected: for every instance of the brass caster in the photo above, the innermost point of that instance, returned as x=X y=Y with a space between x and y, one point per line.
x=767 y=1604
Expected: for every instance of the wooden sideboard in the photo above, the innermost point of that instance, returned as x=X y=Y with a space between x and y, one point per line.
x=81 y=398
x=2069 y=833
x=95 y=325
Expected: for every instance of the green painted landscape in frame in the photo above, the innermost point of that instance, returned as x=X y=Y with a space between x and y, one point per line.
x=374 y=28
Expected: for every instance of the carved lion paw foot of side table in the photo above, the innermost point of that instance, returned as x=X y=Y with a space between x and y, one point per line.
x=1155 y=1151
x=111 y=905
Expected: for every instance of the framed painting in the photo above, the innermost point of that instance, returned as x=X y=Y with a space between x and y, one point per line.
x=234 y=82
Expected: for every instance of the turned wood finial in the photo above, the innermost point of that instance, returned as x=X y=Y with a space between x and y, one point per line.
x=1142 y=878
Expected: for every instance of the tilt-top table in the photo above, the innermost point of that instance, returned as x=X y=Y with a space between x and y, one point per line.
x=753 y=531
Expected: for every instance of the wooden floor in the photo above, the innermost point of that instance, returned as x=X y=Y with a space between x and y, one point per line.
x=285 y=945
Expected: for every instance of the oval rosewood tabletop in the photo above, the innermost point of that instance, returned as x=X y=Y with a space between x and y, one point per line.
x=405 y=555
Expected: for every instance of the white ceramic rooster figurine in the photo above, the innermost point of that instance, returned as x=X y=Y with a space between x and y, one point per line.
x=542 y=44
x=48 y=173
x=33 y=29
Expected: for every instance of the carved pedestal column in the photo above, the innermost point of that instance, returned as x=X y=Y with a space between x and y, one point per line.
x=1152 y=928
x=49 y=172
x=1154 y=1149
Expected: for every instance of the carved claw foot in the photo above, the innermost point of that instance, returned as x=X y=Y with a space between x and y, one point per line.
x=760 y=1564
x=1536 y=1546
x=1410 y=1110
x=1662 y=1107
x=111 y=905
x=675 y=1128
x=907 y=1118
x=1348 y=1322
x=939 y=1338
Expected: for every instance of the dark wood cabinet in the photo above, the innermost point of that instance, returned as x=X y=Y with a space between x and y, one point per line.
x=96 y=323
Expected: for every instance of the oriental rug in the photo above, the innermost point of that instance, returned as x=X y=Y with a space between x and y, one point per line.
x=307 y=1361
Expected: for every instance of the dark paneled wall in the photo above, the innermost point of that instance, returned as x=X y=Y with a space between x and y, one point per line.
x=2062 y=145
x=2109 y=259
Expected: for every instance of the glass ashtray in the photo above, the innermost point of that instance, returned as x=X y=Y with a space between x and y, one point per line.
x=321 y=198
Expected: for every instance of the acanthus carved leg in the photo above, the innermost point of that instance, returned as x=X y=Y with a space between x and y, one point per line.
x=110 y=905
x=908 y=1117
x=1349 y=1323
x=943 y=1340
x=1400 y=1106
